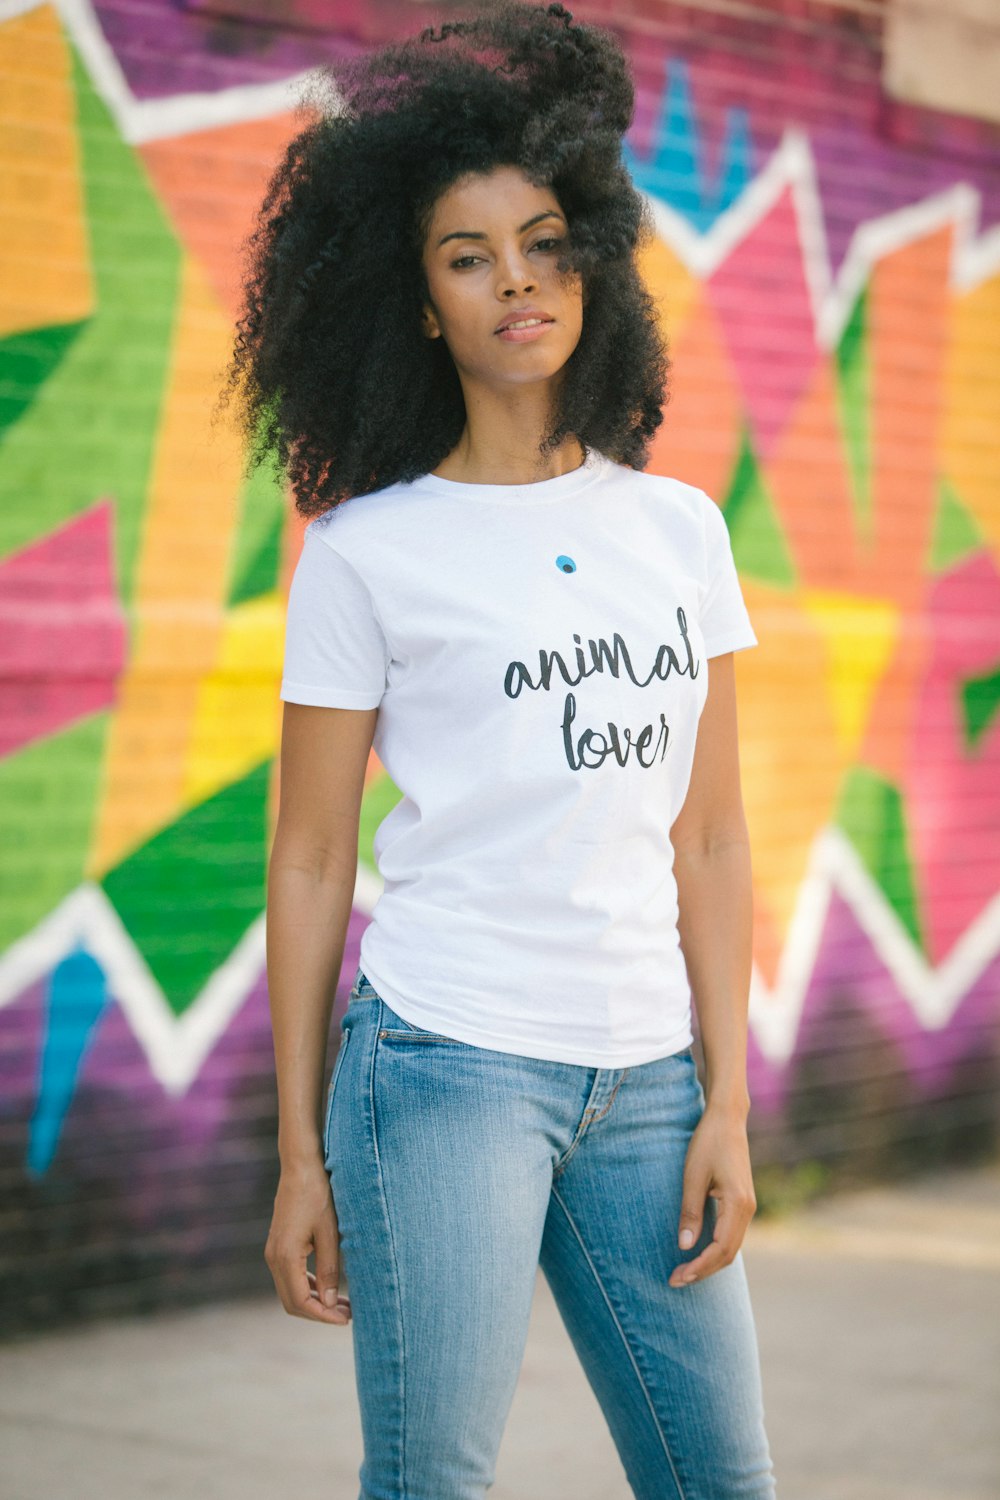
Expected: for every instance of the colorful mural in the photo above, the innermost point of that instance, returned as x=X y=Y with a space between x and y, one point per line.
x=833 y=303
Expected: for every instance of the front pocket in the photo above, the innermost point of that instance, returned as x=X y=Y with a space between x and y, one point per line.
x=345 y=1037
x=418 y=1036
x=402 y=1030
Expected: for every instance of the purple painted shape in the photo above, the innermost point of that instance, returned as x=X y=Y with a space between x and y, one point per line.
x=146 y=1141
x=861 y=177
x=22 y=1030
x=119 y=1103
x=873 y=154
x=164 y=51
x=864 y=143
x=848 y=968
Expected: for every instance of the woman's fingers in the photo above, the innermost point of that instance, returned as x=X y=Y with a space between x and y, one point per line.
x=731 y=1223
x=717 y=1166
x=298 y=1291
x=305 y=1222
x=326 y=1282
x=342 y=1302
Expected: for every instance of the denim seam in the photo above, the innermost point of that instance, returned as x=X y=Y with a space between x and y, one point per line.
x=395 y=1264
x=588 y=1119
x=345 y=1037
x=611 y=1100
x=624 y=1338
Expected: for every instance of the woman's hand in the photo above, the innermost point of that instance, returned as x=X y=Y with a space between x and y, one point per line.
x=304 y=1221
x=717 y=1166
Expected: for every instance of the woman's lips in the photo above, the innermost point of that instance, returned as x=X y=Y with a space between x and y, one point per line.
x=524 y=335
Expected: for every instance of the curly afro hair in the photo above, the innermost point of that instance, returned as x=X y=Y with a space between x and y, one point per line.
x=335 y=377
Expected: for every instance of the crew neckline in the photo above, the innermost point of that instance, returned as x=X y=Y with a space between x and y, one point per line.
x=537 y=491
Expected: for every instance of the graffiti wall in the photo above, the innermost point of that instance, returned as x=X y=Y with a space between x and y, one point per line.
x=827 y=263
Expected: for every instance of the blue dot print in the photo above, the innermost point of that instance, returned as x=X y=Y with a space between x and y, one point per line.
x=566 y=564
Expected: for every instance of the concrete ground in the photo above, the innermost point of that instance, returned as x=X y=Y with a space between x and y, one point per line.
x=878 y=1315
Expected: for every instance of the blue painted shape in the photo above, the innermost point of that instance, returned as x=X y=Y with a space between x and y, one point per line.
x=675 y=171
x=565 y=564
x=77 y=999
x=734 y=172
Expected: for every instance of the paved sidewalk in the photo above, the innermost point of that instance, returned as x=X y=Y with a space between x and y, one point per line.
x=878 y=1315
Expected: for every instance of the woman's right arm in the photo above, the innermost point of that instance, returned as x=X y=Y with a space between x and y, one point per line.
x=310 y=890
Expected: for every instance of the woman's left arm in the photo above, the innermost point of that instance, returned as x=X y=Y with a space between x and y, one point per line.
x=715 y=925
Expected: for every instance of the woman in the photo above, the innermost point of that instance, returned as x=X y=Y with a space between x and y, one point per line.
x=447 y=343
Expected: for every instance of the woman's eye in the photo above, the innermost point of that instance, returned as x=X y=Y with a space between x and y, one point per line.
x=552 y=240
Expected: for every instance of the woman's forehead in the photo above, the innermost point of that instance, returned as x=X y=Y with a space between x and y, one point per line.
x=499 y=199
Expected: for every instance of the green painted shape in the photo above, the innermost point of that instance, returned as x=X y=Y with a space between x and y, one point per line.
x=854 y=401
x=257 y=558
x=980 y=704
x=956 y=534
x=91 y=429
x=49 y=793
x=759 y=545
x=872 y=814
x=27 y=362
x=190 y=893
x=381 y=796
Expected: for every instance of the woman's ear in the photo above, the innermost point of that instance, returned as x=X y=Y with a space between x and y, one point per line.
x=429 y=324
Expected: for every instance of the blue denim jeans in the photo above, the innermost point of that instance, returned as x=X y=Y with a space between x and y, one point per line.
x=457 y=1171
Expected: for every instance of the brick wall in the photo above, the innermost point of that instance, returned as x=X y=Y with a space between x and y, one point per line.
x=828 y=266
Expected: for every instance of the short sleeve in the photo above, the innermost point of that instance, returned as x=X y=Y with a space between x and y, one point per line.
x=725 y=622
x=335 y=651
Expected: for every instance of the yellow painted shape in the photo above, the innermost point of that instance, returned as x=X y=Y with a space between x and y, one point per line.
x=182 y=582
x=792 y=754
x=970 y=422
x=669 y=282
x=45 y=274
x=235 y=725
x=858 y=638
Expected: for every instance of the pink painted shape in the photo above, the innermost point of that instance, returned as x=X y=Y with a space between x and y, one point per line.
x=762 y=301
x=952 y=791
x=62 y=629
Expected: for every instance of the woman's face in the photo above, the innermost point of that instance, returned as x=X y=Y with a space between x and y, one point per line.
x=491 y=250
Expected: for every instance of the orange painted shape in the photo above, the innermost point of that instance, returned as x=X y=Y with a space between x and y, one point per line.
x=969 y=446
x=887 y=745
x=908 y=320
x=181 y=589
x=45 y=274
x=699 y=438
x=211 y=183
x=808 y=479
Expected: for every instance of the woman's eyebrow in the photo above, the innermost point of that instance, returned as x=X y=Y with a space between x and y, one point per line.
x=477 y=234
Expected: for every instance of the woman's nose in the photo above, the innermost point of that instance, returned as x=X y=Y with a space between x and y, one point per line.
x=517 y=275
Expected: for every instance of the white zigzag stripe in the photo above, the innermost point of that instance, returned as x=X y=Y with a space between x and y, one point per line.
x=792 y=164
x=176 y=1046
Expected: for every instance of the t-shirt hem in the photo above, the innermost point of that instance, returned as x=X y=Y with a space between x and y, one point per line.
x=628 y=1057
x=329 y=697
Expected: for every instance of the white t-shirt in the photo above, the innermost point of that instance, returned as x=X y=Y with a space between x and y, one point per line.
x=538 y=656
